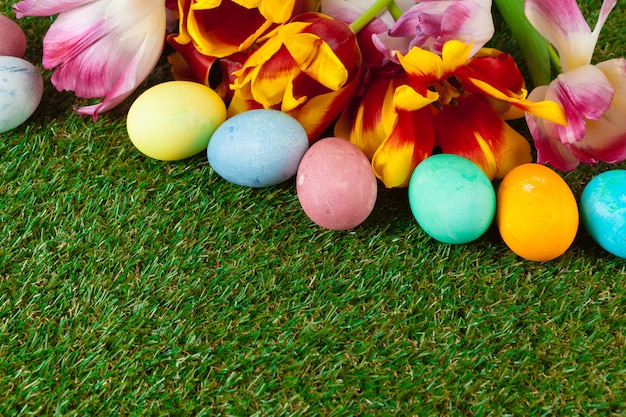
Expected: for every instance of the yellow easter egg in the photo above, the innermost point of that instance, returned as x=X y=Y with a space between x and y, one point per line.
x=174 y=120
x=536 y=212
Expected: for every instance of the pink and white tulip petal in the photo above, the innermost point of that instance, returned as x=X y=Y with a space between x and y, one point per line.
x=102 y=48
x=585 y=94
x=563 y=25
x=615 y=71
x=46 y=7
x=549 y=150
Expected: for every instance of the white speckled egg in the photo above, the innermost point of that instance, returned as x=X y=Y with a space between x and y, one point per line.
x=21 y=89
x=258 y=148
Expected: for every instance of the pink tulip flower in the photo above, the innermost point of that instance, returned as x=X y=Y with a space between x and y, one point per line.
x=593 y=96
x=431 y=23
x=100 y=48
x=427 y=24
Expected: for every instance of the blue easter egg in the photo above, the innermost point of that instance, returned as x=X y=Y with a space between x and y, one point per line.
x=258 y=148
x=603 y=210
x=451 y=198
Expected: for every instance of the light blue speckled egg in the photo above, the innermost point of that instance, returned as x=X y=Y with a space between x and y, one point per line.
x=258 y=148
x=21 y=89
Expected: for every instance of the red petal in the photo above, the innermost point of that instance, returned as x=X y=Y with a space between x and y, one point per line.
x=472 y=130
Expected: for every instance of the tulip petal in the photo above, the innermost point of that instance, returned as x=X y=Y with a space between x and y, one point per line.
x=615 y=72
x=498 y=68
x=316 y=58
x=410 y=142
x=73 y=32
x=604 y=141
x=309 y=68
x=585 y=94
x=547 y=109
x=368 y=125
x=215 y=27
x=321 y=110
x=549 y=150
x=425 y=67
x=104 y=49
x=433 y=23
x=46 y=7
x=563 y=25
x=269 y=81
x=277 y=11
x=598 y=140
x=473 y=131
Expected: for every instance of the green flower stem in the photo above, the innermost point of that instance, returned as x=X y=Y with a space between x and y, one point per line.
x=395 y=11
x=533 y=46
x=369 y=15
x=554 y=58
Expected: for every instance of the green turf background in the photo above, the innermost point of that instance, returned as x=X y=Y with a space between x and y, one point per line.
x=130 y=286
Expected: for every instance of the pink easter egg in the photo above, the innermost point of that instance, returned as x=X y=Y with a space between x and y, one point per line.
x=336 y=186
x=13 y=42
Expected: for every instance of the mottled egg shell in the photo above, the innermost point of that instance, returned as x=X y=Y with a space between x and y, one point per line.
x=336 y=186
x=174 y=120
x=603 y=210
x=536 y=212
x=451 y=198
x=258 y=148
x=13 y=39
x=21 y=89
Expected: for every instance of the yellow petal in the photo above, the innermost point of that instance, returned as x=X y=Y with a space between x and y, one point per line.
x=419 y=62
x=454 y=55
x=317 y=59
x=410 y=142
x=289 y=101
x=406 y=98
x=546 y=109
x=278 y=11
x=205 y=4
x=393 y=164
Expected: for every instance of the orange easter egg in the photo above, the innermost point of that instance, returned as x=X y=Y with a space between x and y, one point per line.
x=536 y=212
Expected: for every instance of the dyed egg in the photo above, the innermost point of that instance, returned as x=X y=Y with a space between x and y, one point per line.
x=21 y=89
x=13 y=42
x=174 y=120
x=258 y=148
x=336 y=186
x=536 y=213
x=603 y=210
x=451 y=198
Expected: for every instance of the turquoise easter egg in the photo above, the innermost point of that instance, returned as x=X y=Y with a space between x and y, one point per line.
x=603 y=210
x=451 y=198
x=258 y=148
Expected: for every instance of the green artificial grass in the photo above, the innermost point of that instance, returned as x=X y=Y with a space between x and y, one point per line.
x=130 y=286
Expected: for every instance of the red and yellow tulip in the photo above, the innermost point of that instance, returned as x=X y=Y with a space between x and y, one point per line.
x=215 y=37
x=219 y=28
x=308 y=68
x=445 y=101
